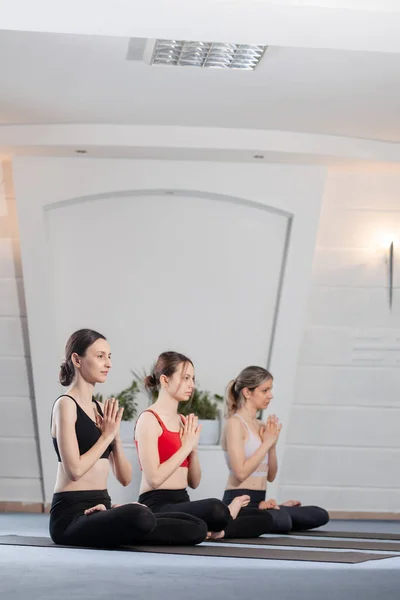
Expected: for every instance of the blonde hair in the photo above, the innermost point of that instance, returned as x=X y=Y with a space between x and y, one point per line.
x=250 y=377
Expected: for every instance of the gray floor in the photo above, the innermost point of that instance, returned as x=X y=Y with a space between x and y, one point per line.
x=46 y=573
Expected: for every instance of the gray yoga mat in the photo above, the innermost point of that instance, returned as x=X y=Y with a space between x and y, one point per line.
x=350 y=534
x=223 y=550
x=381 y=546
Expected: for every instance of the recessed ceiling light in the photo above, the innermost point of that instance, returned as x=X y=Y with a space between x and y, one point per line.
x=212 y=55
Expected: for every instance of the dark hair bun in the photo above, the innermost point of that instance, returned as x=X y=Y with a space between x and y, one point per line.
x=150 y=382
x=67 y=373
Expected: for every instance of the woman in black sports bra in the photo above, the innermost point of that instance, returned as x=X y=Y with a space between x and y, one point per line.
x=87 y=441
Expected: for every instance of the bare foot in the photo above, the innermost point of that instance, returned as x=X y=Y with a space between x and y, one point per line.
x=215 y=535
x=291 y=503
x=238 y=503
x=93 y=509
x=268 y=504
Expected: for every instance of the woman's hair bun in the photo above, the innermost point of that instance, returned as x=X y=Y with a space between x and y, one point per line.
x=150 y=382
x=67 y=373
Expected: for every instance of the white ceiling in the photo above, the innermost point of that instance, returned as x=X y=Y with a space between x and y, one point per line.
x=187 y=154
x=336 y=24
x=61 y=78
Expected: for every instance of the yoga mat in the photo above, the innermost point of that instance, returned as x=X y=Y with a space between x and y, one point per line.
x=381 y=546
x=350 y=534
x=219 y=551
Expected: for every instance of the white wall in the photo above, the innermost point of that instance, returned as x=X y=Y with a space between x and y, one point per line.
x=20 y=478
x=41 y=183
x=343 y=443
x=156 y=271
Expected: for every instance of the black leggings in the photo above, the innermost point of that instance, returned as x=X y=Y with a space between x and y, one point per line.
x=124 y=525
x=250 y=522
x=287 y=518
x=212 y=511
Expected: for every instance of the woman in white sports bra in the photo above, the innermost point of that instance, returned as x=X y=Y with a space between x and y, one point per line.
x=250 y=452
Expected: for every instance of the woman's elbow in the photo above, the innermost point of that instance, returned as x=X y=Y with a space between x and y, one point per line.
x=153 y=482
x=125 y=481
x=124 y=478
x=73 y=474
x=239 y=475
x=194 y=484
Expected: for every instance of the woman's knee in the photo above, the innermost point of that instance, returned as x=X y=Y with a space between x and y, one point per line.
x=180 y=528
x=218 y=511
x=281 y=520
x=136 y=515
x=308 y=517
x=266 y=521
x=321 y=516
x=195 y=530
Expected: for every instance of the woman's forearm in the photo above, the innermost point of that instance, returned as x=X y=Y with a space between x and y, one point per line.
x=252 y=463
x=78 y=468
x=194 y=473
x=122 y=466
x=165 y=469
x=272 y=464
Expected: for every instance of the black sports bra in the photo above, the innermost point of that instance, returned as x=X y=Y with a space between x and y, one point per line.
x=87 y=432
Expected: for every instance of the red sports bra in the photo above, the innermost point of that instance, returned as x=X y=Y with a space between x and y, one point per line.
x=169 y=442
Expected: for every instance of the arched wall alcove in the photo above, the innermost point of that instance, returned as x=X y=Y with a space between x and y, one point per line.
x=213 y=260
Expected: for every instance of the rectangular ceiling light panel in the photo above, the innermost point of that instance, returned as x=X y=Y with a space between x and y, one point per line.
x=213 y=55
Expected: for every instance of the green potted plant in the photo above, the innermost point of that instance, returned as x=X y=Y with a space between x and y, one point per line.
x=205 y=406
x=127 y=400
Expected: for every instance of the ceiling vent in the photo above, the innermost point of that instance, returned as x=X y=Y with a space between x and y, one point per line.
x=211 y=55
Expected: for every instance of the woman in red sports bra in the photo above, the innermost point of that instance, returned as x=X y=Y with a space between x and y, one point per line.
x=167 y=449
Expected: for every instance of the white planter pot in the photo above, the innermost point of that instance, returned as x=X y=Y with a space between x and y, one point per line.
x=126 y=432
x=210 y=432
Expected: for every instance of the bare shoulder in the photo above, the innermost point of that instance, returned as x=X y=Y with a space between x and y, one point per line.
x=233 y=425
x=148 y=422
x=65 y=406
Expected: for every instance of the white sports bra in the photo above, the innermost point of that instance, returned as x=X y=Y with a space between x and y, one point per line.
x=251 y=445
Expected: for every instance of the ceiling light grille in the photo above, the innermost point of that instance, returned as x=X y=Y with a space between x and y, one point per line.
x=213 y=55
